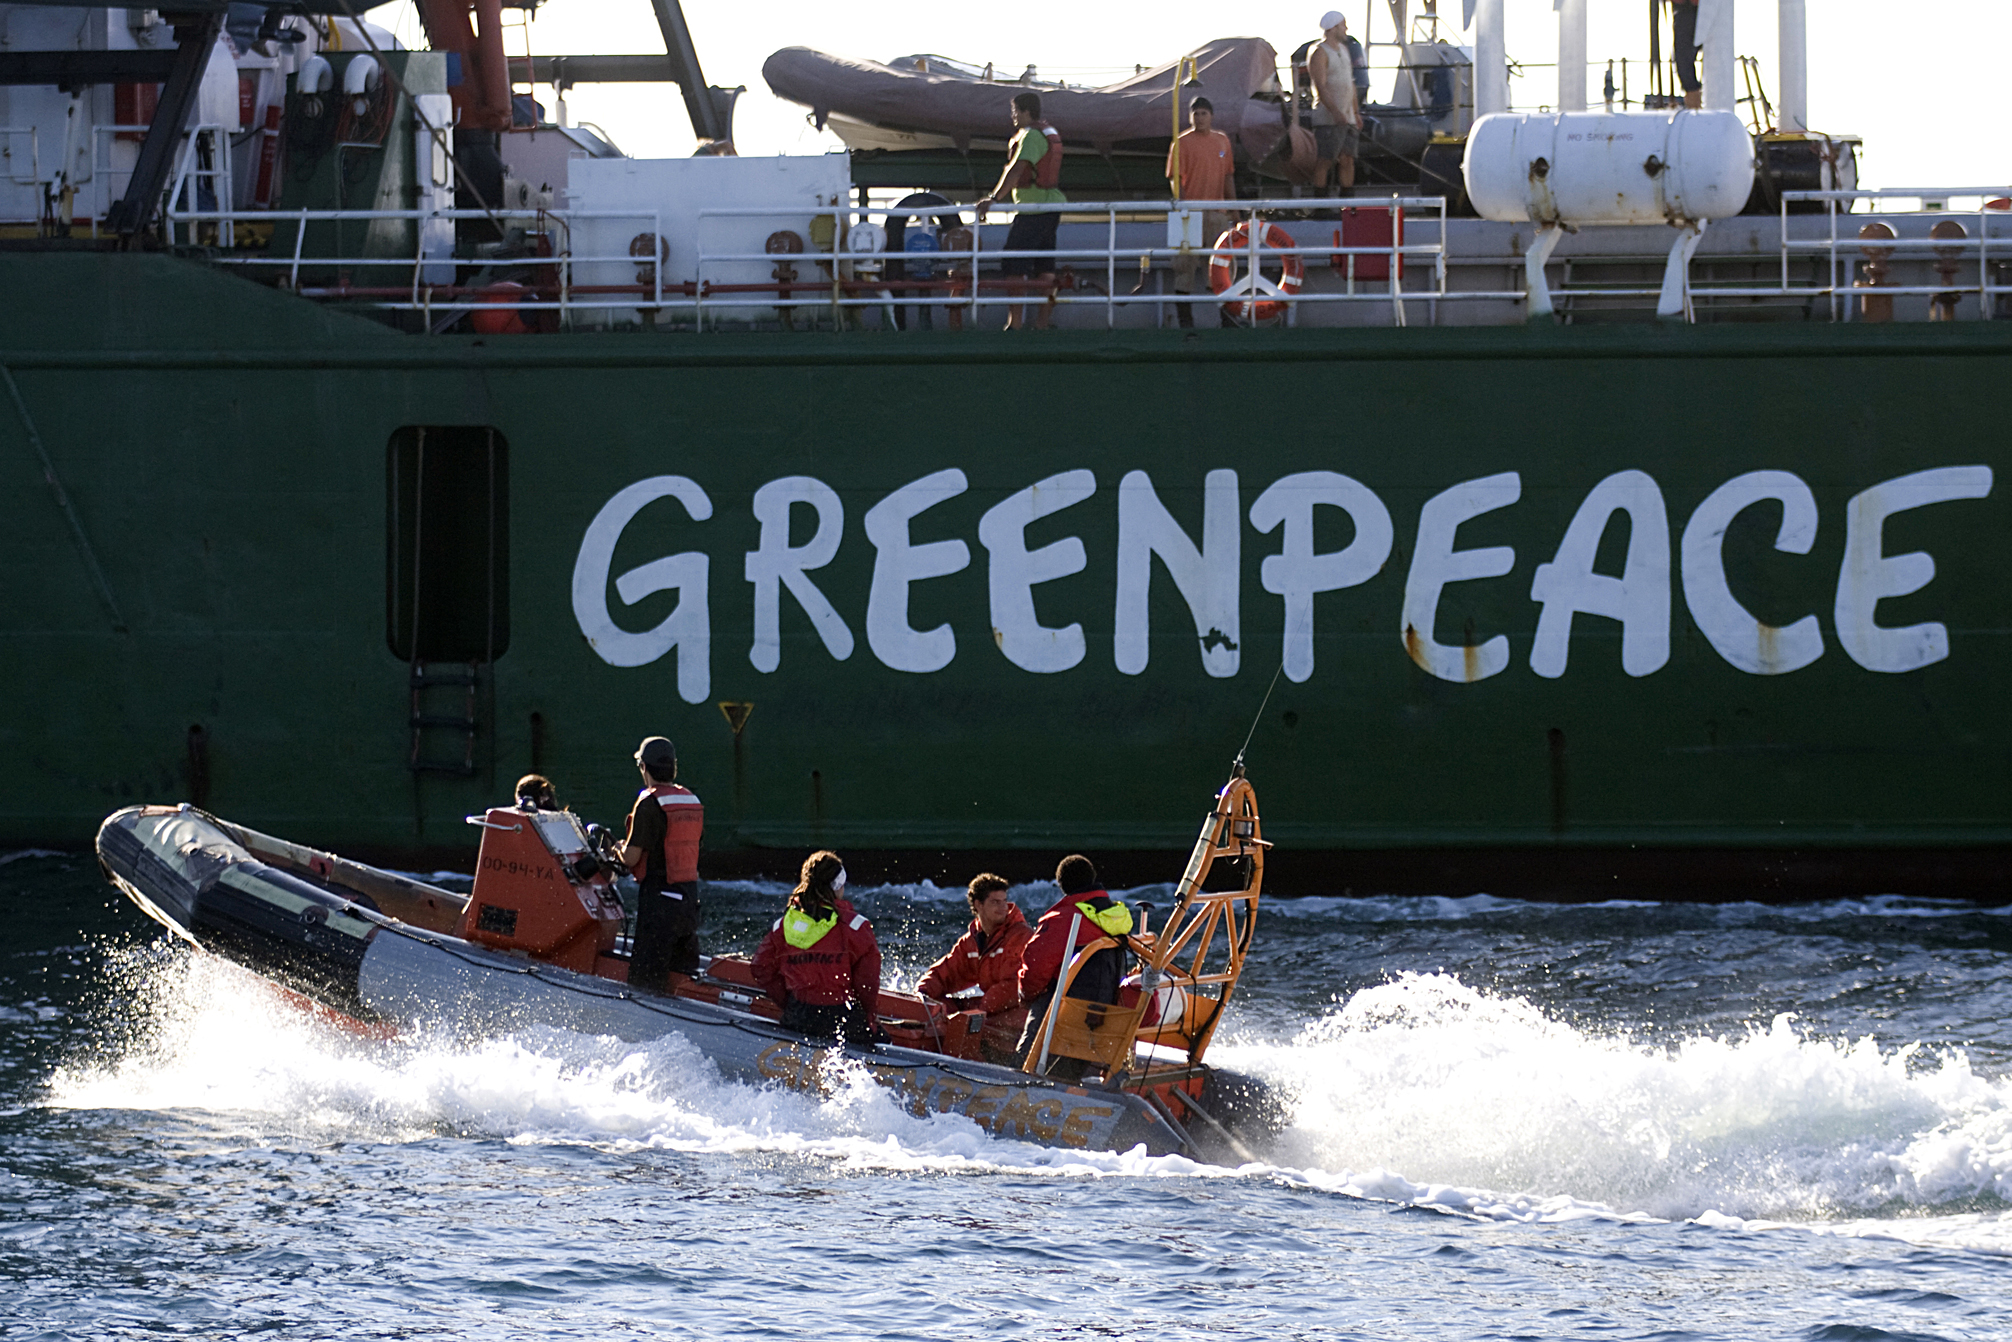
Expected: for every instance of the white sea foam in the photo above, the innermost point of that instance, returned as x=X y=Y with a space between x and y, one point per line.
x=1421 y=1091
x=1488 y=1106
x=217 y=1040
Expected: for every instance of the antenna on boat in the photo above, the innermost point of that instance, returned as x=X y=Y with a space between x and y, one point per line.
x=1306 y=618
x=1237 y=765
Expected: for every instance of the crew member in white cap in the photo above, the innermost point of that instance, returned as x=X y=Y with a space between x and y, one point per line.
x=1338 y=133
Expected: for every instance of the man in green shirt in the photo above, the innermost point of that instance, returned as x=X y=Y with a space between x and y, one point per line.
x=1030 y=243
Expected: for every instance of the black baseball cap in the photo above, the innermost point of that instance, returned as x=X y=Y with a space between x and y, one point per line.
x=657 y=752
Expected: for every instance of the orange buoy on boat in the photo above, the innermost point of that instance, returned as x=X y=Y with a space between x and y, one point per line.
x=1244 y=291
x=500 y=319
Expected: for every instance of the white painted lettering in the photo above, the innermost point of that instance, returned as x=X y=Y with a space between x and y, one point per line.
x=687 y=628
x=1296 y=572
x=778 y=564
x=1756 y=648
x=1206 y=578
x=1869 y=576
x=1013 y=572
x=1435 y=563
x=1639 y=598
x=899 y=564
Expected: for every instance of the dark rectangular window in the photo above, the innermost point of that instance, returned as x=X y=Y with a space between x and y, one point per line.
x=447 y=551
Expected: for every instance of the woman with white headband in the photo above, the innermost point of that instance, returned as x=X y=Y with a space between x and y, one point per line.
x=820 y=962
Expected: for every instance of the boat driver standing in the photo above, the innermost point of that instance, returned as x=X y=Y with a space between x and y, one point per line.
x=662 y=849
x=1096 y=915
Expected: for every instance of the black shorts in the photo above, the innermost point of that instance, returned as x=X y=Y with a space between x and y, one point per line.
x=667 y=935
x=1033 y=238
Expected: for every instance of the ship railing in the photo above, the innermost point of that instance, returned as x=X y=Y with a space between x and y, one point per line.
x=868 y=286
x=1845 y=248
x=421 y=295
x=103 y=167
x=1414 y=264
x=190 y=176
x=101 y=171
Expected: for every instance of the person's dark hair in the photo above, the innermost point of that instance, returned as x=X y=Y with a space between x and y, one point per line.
x=981 y=887
x=813 y=893
x=1075 y=874
x=535 y=790
x=1202 y=105
x=1030 y=103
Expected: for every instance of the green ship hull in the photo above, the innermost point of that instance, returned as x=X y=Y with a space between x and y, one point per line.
x=250 y=475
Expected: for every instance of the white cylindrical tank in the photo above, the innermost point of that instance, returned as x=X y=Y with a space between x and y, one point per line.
x=1609 y=167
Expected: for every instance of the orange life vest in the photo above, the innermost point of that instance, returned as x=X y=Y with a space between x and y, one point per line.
x=684 y=822
x=1048 y=172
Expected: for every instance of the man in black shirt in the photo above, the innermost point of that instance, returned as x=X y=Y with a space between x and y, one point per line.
x=662 y=849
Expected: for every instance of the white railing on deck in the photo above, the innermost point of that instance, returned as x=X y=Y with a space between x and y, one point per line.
x=1417 y=272
x=1106 y=259
x=1931 y=205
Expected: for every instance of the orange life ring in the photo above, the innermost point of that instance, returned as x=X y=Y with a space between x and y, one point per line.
x=499 y=319
x=1223 y=273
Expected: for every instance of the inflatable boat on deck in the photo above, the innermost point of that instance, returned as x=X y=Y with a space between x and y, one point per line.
x=538 y=942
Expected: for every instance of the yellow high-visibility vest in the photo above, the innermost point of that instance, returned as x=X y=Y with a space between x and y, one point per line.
x=802 y=931
x=1115 y=921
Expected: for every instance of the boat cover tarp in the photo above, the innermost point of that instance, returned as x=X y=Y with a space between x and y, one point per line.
x=1231 y=69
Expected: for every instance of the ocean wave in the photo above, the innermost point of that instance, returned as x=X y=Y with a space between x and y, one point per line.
x=1423 y=1091
x=24 y=854
x=1491 y=1098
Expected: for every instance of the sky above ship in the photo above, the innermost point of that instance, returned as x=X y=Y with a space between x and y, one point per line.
x=1929 y=116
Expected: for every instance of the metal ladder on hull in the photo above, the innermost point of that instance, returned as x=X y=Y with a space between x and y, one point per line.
x=429 y=680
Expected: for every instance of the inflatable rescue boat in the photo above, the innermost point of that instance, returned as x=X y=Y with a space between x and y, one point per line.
x=539 y=942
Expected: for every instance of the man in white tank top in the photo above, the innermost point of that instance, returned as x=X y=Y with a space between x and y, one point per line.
x=1331 y=69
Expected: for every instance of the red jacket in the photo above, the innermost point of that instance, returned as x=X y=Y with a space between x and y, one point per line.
x=1041 y=962
x=978 y=961
x=842 y=968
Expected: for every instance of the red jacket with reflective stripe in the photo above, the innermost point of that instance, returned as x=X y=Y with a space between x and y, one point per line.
x=843 y=967
x=978 y=961
x=684 y=822
x=1041 y=962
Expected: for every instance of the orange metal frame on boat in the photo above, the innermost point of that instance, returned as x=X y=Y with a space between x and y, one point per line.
x=1189 y=968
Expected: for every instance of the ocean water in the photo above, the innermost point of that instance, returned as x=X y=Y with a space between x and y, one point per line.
x=1509 y=1121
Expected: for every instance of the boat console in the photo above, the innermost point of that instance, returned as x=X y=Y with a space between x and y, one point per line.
x=542 y=890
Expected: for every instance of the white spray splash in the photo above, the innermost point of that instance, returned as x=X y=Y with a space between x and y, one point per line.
x=1485 y=1104
x=1422 y=1090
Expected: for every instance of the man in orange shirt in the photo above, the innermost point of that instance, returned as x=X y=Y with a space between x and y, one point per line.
x=1201 y=165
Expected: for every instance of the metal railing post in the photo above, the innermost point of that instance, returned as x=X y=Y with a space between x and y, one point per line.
x=299 y=242
x=1111 y=274
x=1983 y=261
